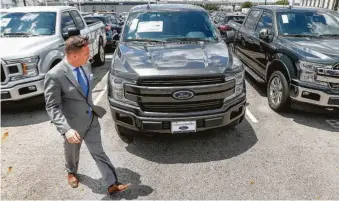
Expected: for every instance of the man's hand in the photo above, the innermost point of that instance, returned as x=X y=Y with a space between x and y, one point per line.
x=73 y=137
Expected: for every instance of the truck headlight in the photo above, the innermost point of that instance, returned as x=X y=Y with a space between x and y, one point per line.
x=238 y=77
x=28 y=66
x=308 y=71
x=117 y=89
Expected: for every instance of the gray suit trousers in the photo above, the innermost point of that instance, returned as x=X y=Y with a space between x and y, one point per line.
x=92 y=138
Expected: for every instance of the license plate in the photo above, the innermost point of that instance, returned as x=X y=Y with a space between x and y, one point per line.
x=184 y=126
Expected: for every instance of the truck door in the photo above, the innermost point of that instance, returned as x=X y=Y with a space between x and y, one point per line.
x=84 y=30
x=66 y=23
x=246 y=45
x=262 y=48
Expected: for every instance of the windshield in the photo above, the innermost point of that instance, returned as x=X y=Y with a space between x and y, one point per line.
x=34 y=23
x=313 y=23
x=169 y=25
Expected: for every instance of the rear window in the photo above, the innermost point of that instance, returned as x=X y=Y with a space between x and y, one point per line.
x=94 y=19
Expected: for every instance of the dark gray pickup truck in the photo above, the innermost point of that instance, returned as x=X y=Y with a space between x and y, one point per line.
x=172 y=73
x=295 y=51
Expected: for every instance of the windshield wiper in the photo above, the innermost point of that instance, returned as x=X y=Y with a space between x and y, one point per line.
x=189 y=39
x=144 y=40
x=19 y=34
x=300 y=35
x=329 y=35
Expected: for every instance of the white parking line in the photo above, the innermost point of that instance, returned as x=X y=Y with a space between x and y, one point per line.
x=251 y=116
x=98 y=98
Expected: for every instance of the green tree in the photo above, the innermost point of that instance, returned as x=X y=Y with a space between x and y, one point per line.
x=247 y=4
x=282 y=2
x=210 y=7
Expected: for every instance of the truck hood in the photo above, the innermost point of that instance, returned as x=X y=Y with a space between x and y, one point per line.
x=314 y=50
x=192 y=58
x=19 y=47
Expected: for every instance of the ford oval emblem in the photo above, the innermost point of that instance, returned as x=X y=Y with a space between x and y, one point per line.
x=183 y=127
x=183 y=95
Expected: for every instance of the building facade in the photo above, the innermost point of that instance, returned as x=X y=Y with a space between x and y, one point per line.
x=329 y=4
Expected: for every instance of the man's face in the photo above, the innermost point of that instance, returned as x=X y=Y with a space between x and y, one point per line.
x=83 y=55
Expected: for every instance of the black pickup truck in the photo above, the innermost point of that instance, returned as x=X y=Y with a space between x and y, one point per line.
x=173 y=73
x=295 y=52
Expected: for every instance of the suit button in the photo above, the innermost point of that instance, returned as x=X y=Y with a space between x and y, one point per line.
x=86 y=112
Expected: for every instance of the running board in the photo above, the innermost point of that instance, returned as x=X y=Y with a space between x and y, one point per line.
x=254 y=75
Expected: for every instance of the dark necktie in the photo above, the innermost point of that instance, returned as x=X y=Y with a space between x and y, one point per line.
x=83 y=84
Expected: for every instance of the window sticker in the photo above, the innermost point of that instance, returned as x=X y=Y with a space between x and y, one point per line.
x=284 y=19
x=4 y=22
x=151 y=26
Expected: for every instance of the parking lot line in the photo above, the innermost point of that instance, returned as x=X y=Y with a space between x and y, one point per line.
x=98 y=98
x=251 y=116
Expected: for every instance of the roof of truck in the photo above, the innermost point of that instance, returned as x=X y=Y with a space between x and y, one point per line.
x=167 y=7
x=39 y=8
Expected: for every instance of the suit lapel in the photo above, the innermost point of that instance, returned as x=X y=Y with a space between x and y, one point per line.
x=71 y=78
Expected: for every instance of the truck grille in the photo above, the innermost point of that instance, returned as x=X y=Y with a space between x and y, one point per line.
x=182 y=107
x=209 y=94
x=181 y=81
x=3 y=75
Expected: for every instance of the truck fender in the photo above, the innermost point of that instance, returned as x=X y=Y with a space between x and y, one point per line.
x=50 y=58
x=283 y=63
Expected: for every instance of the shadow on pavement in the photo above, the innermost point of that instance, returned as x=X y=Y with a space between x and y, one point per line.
x=313 y=120
x=125 y=176
x=213 y=145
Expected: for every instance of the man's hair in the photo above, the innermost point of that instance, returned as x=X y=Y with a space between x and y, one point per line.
x=75 y=43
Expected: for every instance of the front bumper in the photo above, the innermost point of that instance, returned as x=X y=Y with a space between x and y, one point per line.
x=233 y=110
x=316 y=95
x=22 y=91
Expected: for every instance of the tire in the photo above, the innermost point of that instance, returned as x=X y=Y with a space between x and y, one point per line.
x=278 y=92
x=124 y=134
x=99 y=59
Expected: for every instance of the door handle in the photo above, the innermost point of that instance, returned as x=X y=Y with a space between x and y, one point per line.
x=60 y=45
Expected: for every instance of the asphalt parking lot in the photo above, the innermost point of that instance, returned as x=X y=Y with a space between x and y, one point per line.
x=269 y=156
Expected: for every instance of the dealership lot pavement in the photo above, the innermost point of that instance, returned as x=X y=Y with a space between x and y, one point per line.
x=269 y=156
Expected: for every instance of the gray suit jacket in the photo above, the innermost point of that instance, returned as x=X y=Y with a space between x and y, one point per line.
x=66 y=104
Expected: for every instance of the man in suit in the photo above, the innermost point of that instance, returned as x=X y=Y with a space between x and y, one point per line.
x=68 y=96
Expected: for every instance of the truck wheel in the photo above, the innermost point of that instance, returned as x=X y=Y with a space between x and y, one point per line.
x=99 y=59
x=124 y=134
x=278 y=92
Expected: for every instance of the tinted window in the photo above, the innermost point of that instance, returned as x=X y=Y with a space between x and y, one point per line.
x=78 y=20
x=35 y=23
x=238 y=19
x=314 y=22
x=167 y=25
x=265 y=22
x=252 y=19
x=66 y=22
x=102 y=19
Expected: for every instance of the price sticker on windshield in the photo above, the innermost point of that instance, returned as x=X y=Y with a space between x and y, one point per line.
x=151 y=26
x=4 y=22
x=284 y=19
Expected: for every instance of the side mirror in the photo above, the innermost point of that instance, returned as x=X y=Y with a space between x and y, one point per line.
x=265 y=34
x=71 y=32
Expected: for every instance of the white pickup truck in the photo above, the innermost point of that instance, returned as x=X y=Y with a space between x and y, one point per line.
x=33 y=41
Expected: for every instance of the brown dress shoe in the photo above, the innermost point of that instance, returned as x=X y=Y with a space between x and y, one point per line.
x=116 y=188
x=73 y=180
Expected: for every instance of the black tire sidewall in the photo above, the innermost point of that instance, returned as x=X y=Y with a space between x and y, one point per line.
x=97 y=57
x=285 y=100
